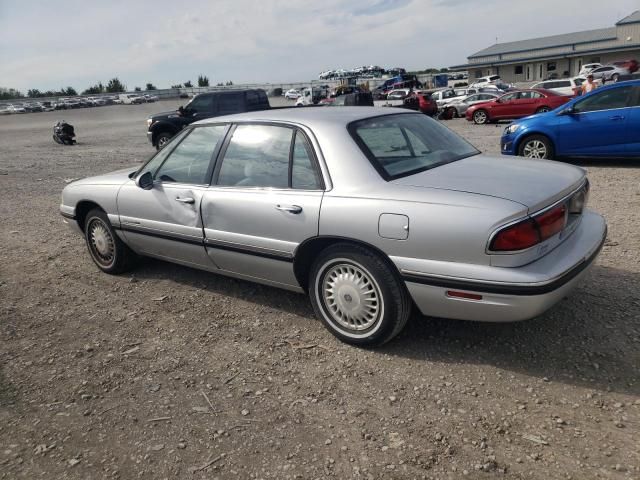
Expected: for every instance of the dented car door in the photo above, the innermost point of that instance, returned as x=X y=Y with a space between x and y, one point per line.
x=164 y=221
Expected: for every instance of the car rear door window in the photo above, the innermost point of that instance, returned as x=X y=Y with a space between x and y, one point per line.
x=257 y=156
x=304 y=175
x=605 y=100
x=189 y=162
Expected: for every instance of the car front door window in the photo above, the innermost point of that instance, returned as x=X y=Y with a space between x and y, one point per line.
x=199 y=104
x=606 y=100
x=509 y=97
x=189 y=162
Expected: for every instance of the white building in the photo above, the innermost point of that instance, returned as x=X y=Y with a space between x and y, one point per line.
x=538 y=58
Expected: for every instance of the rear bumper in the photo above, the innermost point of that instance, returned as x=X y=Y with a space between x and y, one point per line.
x=552 y=277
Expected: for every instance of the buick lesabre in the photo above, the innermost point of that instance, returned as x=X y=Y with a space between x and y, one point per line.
x=370 y=212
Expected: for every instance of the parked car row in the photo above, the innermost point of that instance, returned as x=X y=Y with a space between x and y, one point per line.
x=610 y=72
x=70 y=103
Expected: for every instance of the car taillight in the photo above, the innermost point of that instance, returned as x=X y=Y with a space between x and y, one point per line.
x=516 y=237
x=530 y=232
x=551 y=222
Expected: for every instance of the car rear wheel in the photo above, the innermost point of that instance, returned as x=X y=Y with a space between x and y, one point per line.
x=536 y=146
x=543 y=110
x=163 y=139
x=615 y=77
x=480 y=117
x=107 y=251
x=358 y=296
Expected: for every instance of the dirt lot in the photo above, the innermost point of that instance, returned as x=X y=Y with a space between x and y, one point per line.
x=176 y=373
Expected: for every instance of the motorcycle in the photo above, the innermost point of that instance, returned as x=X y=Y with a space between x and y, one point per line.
x=64 y=134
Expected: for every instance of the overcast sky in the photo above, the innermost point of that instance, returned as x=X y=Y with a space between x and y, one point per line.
x=55 y=43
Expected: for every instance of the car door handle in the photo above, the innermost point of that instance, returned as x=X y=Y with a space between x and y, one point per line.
x=295 y=209
x=185 y=200
x=617 y=117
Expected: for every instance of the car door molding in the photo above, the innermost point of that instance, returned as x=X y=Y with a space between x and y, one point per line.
x=129 y=227
x=249 y=250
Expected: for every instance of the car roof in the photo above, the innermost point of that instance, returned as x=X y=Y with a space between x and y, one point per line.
x=309 y=116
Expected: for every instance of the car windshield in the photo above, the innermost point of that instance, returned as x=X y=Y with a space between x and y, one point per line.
x=403 y=144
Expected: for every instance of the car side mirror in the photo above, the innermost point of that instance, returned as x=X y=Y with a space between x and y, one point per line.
x=568 y=111
x=145 y=181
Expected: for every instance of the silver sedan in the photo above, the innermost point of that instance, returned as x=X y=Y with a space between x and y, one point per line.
x=370 y=211
x=459 y=106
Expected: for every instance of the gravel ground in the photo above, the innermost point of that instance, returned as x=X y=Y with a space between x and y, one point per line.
x=175 y=373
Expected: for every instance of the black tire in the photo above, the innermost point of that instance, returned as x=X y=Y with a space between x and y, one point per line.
x=532 y=144
x=480 y=117
x=543 y=110
x=354 y=269
x=615 y=77
x=106 y=249
x=162 y=139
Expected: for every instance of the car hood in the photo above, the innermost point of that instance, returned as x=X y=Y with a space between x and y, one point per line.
x=164 y=115
x=532 y=183
x=114 y=178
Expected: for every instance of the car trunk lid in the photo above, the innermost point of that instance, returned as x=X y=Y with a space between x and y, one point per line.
x=532 y=183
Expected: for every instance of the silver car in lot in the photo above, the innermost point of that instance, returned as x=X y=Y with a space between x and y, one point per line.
x=459 y=106
x=370 y=211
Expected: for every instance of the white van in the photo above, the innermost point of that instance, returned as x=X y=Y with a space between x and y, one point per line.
x=131 y=98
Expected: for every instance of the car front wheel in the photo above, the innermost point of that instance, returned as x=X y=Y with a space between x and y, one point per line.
x=358 y=296
x=107 y=251
x=543 y=110
x=536 y=146
x=163 y=139
x=480 y=117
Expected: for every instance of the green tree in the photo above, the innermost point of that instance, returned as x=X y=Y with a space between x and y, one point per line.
x=188 y=84
x=9 y=93
x=229 y=83
x=34 y=92
x=150 y=86
x=444 y=70
x=203 y=81
x=137 y=89
x=70 y=91
x=179 y=85
x=115 y=86
x=94 y=89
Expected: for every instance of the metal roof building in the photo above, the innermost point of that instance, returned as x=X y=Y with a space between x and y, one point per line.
x=562 y=55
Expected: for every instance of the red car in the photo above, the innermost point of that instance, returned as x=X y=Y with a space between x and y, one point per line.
x=422 y=102
x=521 y=103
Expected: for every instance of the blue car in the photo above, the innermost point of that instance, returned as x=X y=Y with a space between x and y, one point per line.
x=603 y=123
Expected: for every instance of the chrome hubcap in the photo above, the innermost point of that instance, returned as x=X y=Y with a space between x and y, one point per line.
x=162 y=141
x=101 y=242
x=352 y=297
x=480 y=117
x=535 y=149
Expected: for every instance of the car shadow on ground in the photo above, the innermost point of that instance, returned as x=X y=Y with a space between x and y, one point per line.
x=581 y=341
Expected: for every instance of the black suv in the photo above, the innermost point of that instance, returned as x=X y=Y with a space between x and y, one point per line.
x=163 y=126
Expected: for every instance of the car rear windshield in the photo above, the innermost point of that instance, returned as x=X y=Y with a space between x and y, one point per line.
x=403 y=144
